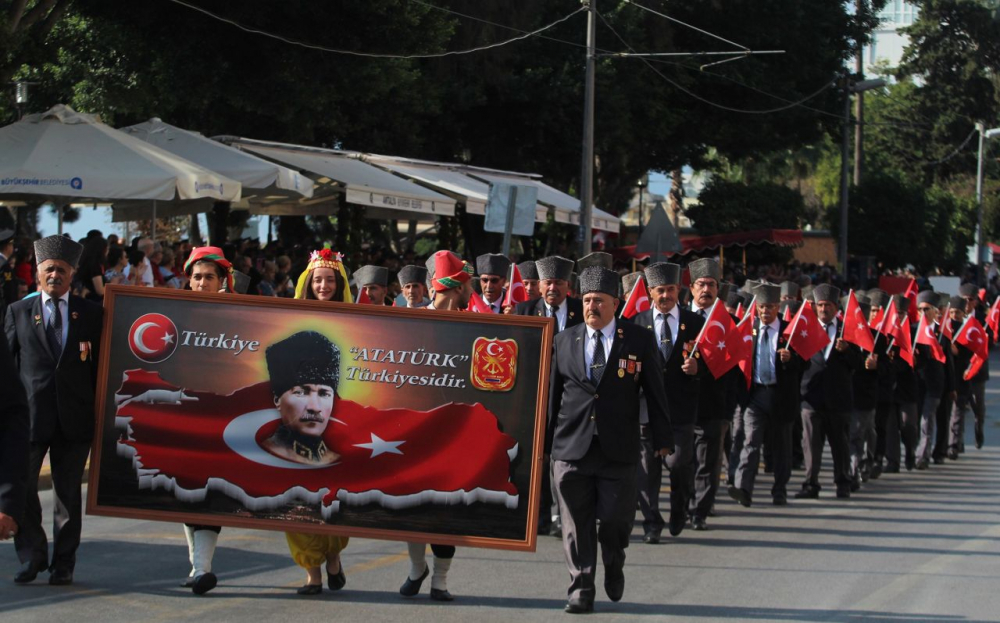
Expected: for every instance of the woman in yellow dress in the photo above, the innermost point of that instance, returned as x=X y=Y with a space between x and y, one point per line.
x=325 y=280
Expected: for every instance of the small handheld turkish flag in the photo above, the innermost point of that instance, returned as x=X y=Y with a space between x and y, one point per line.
x=993 y=319
x=745 y=327
x=719 y=343
x=925 y=336
x=974 y=366
x=363 y=297
x=806 y=335
x=902 y=340
x=478 y=305
x=638 y=300
x=856 y=329
x=911 y=293
x=947 y=330
x=972 y=336
x=888 y=323
x=515 y=288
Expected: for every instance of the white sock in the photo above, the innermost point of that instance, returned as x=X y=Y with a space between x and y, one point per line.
x=204 y=551
x=440 y=578
x=418 y=559
x=189 y=534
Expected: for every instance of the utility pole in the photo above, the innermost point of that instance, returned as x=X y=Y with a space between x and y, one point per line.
x=845 y=146
x=587 y=168
x=859 y=104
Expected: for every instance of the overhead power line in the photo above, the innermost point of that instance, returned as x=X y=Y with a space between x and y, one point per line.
x=320 y=48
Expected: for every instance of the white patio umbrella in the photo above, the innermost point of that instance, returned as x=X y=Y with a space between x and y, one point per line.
x=66 y=156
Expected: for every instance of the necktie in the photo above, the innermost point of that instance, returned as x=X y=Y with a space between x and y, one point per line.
x=666 y=339
x=703 y=313
x=553 y=310
x=597 y=367
x=766 y=373
x=54 y=329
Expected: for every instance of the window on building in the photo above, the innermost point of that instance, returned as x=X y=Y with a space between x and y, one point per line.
x=898 y=13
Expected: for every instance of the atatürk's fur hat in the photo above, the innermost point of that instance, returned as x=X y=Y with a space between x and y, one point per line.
x=305 y=358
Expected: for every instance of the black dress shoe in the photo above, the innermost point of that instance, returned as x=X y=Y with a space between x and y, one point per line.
x=922 y=465
x=652 y=537
x=980 y=437
x=953 y=455
x=579 y=606
x=336 y=581
x=740 y=495
x=808 y=493
x=677 y=521
x=938 y=460
x=892 y=469
x=412 y=587
x=780 y=500
x=310 y=589
x=614 y=583
x=910 y=462
x=844 y=492
x=28 y=572
x=698 y=523
x=876 y=471
x=61 y=577
x=441 y=595
x=206 y=582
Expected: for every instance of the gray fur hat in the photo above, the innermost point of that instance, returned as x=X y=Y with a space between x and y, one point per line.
x=599 y=279
x=966 y=289
x=878 y=298
x=492 y=264
x=663 y=274
x=750 y=284
x=902 y=303
x=367 y=275
x=528 y=270
x=927 y=296
x=629 y=281
x=412 y=274
x=554 y=267
x=725 y=288
x=956 y=302
x=767 y=294
x=241 y=282
x=597 y=258
x=705 y=268
x=824 y=292
x=790 y=288
x=58 y=248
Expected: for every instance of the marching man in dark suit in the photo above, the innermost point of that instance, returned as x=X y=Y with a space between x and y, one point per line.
x=771 y=404
x=54 y=339
x=673 y=330
x=592 y=435
x=553 y=281
x=14 y=427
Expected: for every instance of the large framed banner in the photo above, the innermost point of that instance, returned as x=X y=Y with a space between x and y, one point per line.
x=308 y=416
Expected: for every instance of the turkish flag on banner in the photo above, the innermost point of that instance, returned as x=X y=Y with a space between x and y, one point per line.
x=719 y=343
x=515 y=288
x=993 y=319
x=478 y=305
x=190 y=442
x=926 y=336
x=805 y=334
x=637 y=301
x=975 y=364
x=902 y=339
x=911 y=293
x=856 y=329
x=745 y=328
x=363 y=297
x=973 y=337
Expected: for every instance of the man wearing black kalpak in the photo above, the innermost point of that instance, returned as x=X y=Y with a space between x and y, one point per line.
x=598 y=370
x=673 y=331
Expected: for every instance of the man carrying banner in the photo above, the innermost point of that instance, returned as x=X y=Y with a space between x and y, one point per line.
x=373 y=283
x=15 y=426
x=553 y=274
x=827 y=398
x=54 y=339
x=413 y=281
x=674 y=329
x=493 y=269
x=593 y=434
x=772 y=403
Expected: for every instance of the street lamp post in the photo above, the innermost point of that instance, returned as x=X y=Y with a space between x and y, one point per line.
x=984 y=135
x=643 y=181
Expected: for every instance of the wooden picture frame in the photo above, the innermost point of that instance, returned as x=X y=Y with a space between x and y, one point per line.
x=165 y=387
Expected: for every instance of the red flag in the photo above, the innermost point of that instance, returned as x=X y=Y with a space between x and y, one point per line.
x=902 y=339
x=787 y=316
x=911 y=293
x=982 y=294
x=363 y=297
x=740 y=312
x=745 y=328
x=856 y=329
x=974 y=366
x=806 y=335
x=972 y=336
x=478 y=305
x=190 y=442
x=719 y=343
x=993 y=319
x=947 y=330
x=925 y=336
x=515 y=288
x=876 y=322
x=888 y=323
x=637 y=302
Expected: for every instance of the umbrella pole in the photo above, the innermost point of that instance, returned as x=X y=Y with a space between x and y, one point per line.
x=59 y=219
x=153 y=226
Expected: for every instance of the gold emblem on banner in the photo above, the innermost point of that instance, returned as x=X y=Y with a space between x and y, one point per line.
x=494 y=364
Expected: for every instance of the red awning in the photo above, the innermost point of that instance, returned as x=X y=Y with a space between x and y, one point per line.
x=698 y=244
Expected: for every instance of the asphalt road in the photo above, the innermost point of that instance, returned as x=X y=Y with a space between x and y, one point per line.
x=918 y=546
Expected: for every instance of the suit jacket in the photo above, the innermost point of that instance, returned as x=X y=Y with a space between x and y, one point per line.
x=787 y=376
x=577 y=408
x=682 y=389
x=827 y=383
x=13 y=438
x=574 y=310
x=59 y=392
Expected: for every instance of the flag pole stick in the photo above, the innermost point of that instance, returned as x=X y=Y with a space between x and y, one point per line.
x=703 y=327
